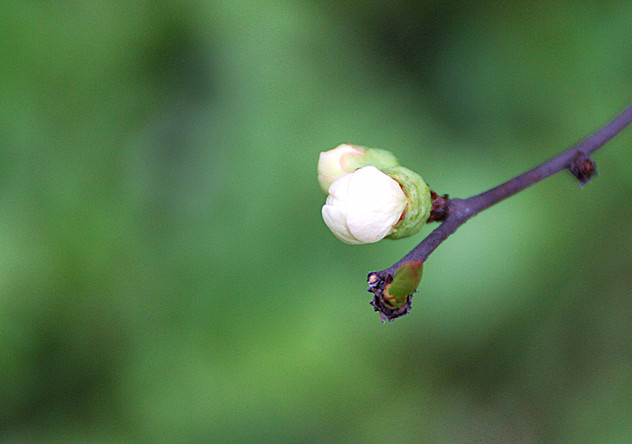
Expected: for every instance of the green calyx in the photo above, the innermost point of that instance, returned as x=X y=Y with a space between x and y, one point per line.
x=419 y=202
x=380 y=159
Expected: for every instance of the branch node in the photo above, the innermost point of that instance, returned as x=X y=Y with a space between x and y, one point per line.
x=440 y=207
x=583 y=168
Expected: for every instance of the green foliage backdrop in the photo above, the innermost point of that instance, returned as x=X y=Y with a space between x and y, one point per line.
x=165 y=274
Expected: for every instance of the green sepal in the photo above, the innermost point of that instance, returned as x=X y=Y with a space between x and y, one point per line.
x=419 y=202
x=380 y=159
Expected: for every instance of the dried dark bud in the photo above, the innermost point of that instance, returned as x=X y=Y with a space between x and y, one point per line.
x=388 y=313
x=583 y=168
x=374 y=282
x=392 y=296
x=440 y=207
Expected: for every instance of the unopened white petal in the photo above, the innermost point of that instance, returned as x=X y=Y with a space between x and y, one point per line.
x=340 y=187
x=332 y=165
x=335 y=219
x=375 y=203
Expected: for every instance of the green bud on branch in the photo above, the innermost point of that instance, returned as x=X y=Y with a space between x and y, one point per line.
x=405 y=283
x=392 y=296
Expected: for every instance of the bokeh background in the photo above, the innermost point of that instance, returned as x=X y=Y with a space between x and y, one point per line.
x=165 y=275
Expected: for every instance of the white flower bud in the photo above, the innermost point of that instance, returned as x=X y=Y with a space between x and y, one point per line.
x=346 y=159
x=364 y=206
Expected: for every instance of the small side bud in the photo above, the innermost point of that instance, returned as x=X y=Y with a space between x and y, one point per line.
x=583 y=168
x=440 y=207
x=347 y=158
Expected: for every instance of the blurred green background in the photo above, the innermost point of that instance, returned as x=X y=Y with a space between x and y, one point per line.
x=165 y=274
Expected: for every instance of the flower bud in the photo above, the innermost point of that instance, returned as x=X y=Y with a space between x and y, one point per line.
x=346 y=159
x=364 y=206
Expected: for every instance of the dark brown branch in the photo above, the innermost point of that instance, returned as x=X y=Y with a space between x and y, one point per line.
x=577 y=159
